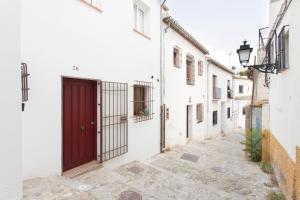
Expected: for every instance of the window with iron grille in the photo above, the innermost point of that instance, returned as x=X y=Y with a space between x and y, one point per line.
x=199 y=112
x=190 y=70
x=94 y=3
x=177 y=57
x=229 y=90
x=143 y=101
x=228 y=113
x=244 y=111
x=241 y=89
x=200 y=68
x=215 y=117
x=283 y=49
x=24 y=80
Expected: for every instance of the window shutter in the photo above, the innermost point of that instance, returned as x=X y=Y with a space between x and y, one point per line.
x=193 y=73
x=180 y=58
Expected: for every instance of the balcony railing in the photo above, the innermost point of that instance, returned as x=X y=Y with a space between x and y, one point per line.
x=217 y=93
x=229 y=94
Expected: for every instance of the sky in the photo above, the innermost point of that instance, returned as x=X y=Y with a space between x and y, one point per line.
x=222 y=25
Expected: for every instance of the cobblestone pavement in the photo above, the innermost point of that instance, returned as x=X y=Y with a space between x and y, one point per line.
x=209 y=170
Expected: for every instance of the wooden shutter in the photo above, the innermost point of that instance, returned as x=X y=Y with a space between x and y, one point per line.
x=193 y=72
x=180 y=58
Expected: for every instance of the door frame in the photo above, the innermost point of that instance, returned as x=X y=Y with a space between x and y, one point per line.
x=95 y=116
x=189 y=116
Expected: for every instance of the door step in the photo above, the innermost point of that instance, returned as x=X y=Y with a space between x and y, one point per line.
x=82 y=169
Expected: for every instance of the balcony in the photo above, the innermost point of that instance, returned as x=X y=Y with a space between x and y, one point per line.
x=217 y=93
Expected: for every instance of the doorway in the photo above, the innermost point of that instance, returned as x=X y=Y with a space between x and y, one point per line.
x=79 y=122
x=189 y=120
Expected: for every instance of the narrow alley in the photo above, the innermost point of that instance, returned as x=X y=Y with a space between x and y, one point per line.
x=211 y=169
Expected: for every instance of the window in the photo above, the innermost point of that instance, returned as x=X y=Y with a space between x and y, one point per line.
x=283 y=49
x=94 y=3
x=177 y=57
x=190 y=70
x=228 y=113
x=143 y=102
x=244 y=111
x=200 y=68
x=141 y=14
x=229 y=90
x=215 y=117
x=200 y=113
x=24 y=82
x=241 y=89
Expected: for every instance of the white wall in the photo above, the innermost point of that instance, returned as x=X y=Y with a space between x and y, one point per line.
x=215 y=105
x=10 y=101
x=246 y=83
x=179 y=93
x=285 y=90
x=57 y=35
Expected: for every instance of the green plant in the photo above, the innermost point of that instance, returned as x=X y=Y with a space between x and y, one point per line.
x=266 y=167
x=273 y=195
x=253 y=145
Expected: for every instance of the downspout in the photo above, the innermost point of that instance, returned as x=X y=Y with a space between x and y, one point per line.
x=162 y=51
x=208 y=98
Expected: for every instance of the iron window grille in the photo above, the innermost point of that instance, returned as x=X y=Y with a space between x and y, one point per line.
x=244 y=111
x=283 y=46
x=229 y=90
x=24 y=80
x=215 y=117
x=113 y=122
x=199 y=113
x=190 y=70
x=143 y=101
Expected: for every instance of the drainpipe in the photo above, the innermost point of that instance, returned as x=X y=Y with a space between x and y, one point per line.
x=162 y=54
x=208 y=97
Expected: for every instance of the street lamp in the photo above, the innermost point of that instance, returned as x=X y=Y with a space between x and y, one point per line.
x=244 y=53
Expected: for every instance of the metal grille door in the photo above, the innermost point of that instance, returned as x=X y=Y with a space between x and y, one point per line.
x=114 y=120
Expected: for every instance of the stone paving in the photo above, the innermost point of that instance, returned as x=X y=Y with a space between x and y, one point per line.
x=205 y=170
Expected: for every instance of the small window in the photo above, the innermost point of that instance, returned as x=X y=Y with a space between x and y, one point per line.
x=215 y=117
x=283 y=49
x=143 y=102
x=229 y=90
x=177 y=57
x=141 y=15
x=190 y=70
x=200 y=68
x=94 y=3
x=200 y=113
x=241 y=89
x=228 y=113
x=244 y=111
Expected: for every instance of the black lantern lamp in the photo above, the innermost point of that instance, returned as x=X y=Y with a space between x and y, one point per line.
x=244 y=53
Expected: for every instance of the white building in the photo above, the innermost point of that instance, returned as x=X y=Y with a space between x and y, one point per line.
x=220 y=98
x=94 y=83
x=282 y=137
x=242 y=94
x=10 y=101
x=185 y=95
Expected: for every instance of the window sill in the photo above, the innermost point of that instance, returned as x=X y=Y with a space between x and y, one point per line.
x=92 y=6
x=142 y=34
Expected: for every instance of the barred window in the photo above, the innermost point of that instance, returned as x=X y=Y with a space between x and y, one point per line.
x=177 y=57
x=283 y=49
x=143 y=101
x=190 y=70
x=200 y=68
x=215 y=117
x=244 y=111
x=200 y=113
x=241 y=89
x=228 y=113
x=24 y=77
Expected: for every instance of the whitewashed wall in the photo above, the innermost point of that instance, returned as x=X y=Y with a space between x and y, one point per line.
x=178 y=93
x=285 y=90
x=215 y=105
x=57 y=35
x=10 y=101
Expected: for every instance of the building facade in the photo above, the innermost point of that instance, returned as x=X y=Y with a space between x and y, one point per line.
x=281 y=138
x=220 y=98
x=185 y=85
x=94 y=83
x=242 y=94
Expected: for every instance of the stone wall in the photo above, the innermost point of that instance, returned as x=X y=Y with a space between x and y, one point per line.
x=297 y=182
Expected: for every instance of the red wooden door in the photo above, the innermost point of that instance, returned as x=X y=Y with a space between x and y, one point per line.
x=79 y=122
